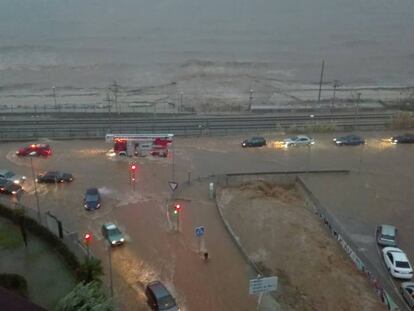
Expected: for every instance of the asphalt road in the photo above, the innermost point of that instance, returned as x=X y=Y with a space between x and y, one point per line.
x=377 y=191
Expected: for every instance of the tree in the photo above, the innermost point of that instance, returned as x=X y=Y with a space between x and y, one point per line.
x=91 y=270
x=85 y=297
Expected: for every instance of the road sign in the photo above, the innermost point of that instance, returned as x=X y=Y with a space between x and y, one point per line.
x=262 y=285
x=199 y=231
x=173 y=185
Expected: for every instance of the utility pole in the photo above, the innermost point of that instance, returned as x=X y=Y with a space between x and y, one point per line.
x=114 y=87
x=250 y=99
x=54 y=97
x=108 y=101
x=357 y=107
x=336 y=83
x=320 y=82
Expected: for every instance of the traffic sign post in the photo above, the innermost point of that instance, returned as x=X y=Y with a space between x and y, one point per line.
x=173 y=185
x=262 y=286
x=199 y=233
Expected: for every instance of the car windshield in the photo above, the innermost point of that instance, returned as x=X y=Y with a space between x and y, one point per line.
x=114 y=231
x=92 y=198
x=294 y=138
x=388 y=237
x=402 y=264
x=166 y=302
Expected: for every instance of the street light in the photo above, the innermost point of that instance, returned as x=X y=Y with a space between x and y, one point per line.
x=35 y=188
x=110 y=268
x=87 y=239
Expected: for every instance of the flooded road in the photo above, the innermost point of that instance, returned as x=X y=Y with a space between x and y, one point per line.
x=154 y=250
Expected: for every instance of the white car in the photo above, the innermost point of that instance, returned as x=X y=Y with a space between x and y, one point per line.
x=9 y=175
x=299 y=140
x=397 y=263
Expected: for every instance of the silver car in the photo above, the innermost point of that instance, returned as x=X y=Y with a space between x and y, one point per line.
x=407 y=291
x=387 y=235
x=9 y=175
x=299 y=140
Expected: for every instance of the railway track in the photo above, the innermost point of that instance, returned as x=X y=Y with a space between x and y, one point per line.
x=92 y=127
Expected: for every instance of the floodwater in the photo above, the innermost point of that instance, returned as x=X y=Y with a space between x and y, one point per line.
x=88 y=44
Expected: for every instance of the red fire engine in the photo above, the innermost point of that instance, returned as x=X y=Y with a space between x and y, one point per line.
x=140 y=144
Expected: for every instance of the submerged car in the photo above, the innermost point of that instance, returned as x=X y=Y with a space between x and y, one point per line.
x=349 y=140
x=407 y=291
x=159 y=298
x=254 y=142
x=9 y=175
x=397 y=263
x=403 y=139
x=9 y=187
x=92 y=199
x=386 y=235
x=300 y=140
x=35 y=150
x=54 y=177
x=111 y=232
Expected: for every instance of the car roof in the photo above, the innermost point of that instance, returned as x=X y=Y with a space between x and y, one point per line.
x=388 y=229
x=110 y=226
x=398 y=254
x=158 y=289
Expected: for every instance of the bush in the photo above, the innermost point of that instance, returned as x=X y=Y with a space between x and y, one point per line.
x=15 y=283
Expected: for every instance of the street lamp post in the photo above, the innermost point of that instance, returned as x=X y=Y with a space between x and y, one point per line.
x=110 y=269
x=35 y=189
x=181 y=102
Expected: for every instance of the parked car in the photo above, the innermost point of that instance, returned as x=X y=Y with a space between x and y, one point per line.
x=397 y=263
x=9 y=187
x=35 y=150
x=54 y=177
x=403 y=139
x=159 y=298
x=407 y=291
x=111 y=232
x=254 y=142
x=386 y=235
x=92 y=199
x=9 y=175
x=349 y=140
x=300 y=140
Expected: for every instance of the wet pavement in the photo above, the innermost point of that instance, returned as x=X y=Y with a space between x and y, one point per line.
x=377 y=191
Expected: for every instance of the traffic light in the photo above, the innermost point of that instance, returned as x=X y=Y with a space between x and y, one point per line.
x=177 y=208
x=88 y=238
x=133 y=167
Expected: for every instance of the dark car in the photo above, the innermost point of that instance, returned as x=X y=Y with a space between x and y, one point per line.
x=403 y=139
x=159 y=298
x=254 y=142
x=349 y=140
x=9 y=187
x=54 y=177
x=112 y=234
x=35 y=150
x=92 y=199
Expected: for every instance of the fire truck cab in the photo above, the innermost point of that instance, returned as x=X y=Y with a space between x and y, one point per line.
x=140 y=144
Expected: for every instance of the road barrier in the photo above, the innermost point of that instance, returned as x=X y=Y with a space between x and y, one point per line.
x=360 y=260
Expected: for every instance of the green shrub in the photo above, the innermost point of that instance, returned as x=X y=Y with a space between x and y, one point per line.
x=15 y=283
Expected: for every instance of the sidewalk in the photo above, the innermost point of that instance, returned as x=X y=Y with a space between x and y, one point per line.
x=43 y=270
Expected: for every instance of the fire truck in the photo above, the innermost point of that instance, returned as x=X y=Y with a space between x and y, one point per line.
x=140 y=144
